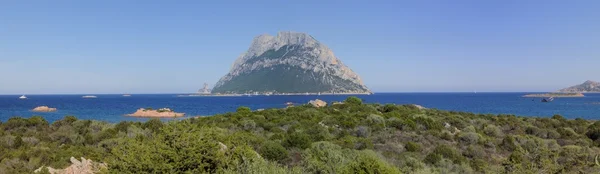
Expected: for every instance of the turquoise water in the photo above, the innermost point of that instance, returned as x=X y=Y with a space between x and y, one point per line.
x=112 y=108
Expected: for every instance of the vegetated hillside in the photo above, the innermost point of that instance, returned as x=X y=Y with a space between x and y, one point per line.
x=342 y=138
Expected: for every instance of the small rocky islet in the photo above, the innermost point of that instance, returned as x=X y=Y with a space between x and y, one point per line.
x=43 y=109
x=158 y=113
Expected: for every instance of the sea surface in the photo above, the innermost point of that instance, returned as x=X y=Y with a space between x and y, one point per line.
x=112 y=108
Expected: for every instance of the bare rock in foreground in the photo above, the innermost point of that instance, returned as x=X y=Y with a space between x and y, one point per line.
x=318 y=103
x=85 y=166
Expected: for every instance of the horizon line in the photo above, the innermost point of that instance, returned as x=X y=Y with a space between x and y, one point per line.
x=387 y=92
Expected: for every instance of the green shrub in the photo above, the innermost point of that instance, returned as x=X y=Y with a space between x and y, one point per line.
x=248 y=125
x=324 y=157
x=273 y=151
x=353 y=101
x=433 y=158
x=153 y=124
x=298 y=140
x=492 y=131
x=429 y=123
x=447 y=152
x=469 y=129
x=368 y=162
x=412 y=147
x=243 y=110
x=478 y=165
x=509 y=143
x=447 y=136
x=375 y=121
x=593 y=133
x=469 y=137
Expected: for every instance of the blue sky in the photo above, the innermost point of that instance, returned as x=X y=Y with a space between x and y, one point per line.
x=147 y=46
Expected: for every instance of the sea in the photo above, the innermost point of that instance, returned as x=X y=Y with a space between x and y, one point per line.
x=113 y=108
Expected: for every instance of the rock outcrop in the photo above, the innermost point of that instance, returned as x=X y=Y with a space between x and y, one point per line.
x=318 y=103
x=148 y=112
x=43 y=109
x=587 y=86
x=85 y=166
x=289 y=63
x=418 y=106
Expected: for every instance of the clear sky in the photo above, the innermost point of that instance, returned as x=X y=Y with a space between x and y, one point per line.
x=116 y=46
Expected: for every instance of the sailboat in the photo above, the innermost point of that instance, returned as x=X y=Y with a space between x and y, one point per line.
x=23 y=97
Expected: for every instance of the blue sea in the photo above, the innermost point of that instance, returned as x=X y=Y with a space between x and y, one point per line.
x=112 y=108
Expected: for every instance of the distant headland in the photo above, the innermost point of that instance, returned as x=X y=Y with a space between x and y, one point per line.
x=555 y=95
x=573 y=91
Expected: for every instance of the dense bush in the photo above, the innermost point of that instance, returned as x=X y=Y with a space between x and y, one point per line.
x=352 y=137
x=412 y=147
x=273 y=151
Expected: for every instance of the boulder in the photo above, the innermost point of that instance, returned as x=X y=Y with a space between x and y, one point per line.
x=223 y=147
x=43 y=109
x=318 y=103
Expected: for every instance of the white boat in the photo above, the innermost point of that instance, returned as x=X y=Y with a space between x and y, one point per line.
x=126 y=95
x=89 y=96
x=23 y=97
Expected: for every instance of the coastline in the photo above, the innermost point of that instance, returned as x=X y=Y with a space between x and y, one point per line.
x=282 y=94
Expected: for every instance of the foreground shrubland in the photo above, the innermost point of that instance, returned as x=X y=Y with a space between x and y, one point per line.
x=344 y=138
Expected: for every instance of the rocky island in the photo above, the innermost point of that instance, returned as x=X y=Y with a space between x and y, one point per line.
x=149 y=112
x=555 y=95
x=289 y=63
x=43 y=109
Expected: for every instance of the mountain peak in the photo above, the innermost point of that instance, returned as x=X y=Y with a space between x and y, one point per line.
x=290 y=62
x=587 y=86
x=590 y=82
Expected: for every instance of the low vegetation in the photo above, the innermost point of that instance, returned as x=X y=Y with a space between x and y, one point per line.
x=344 y=138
